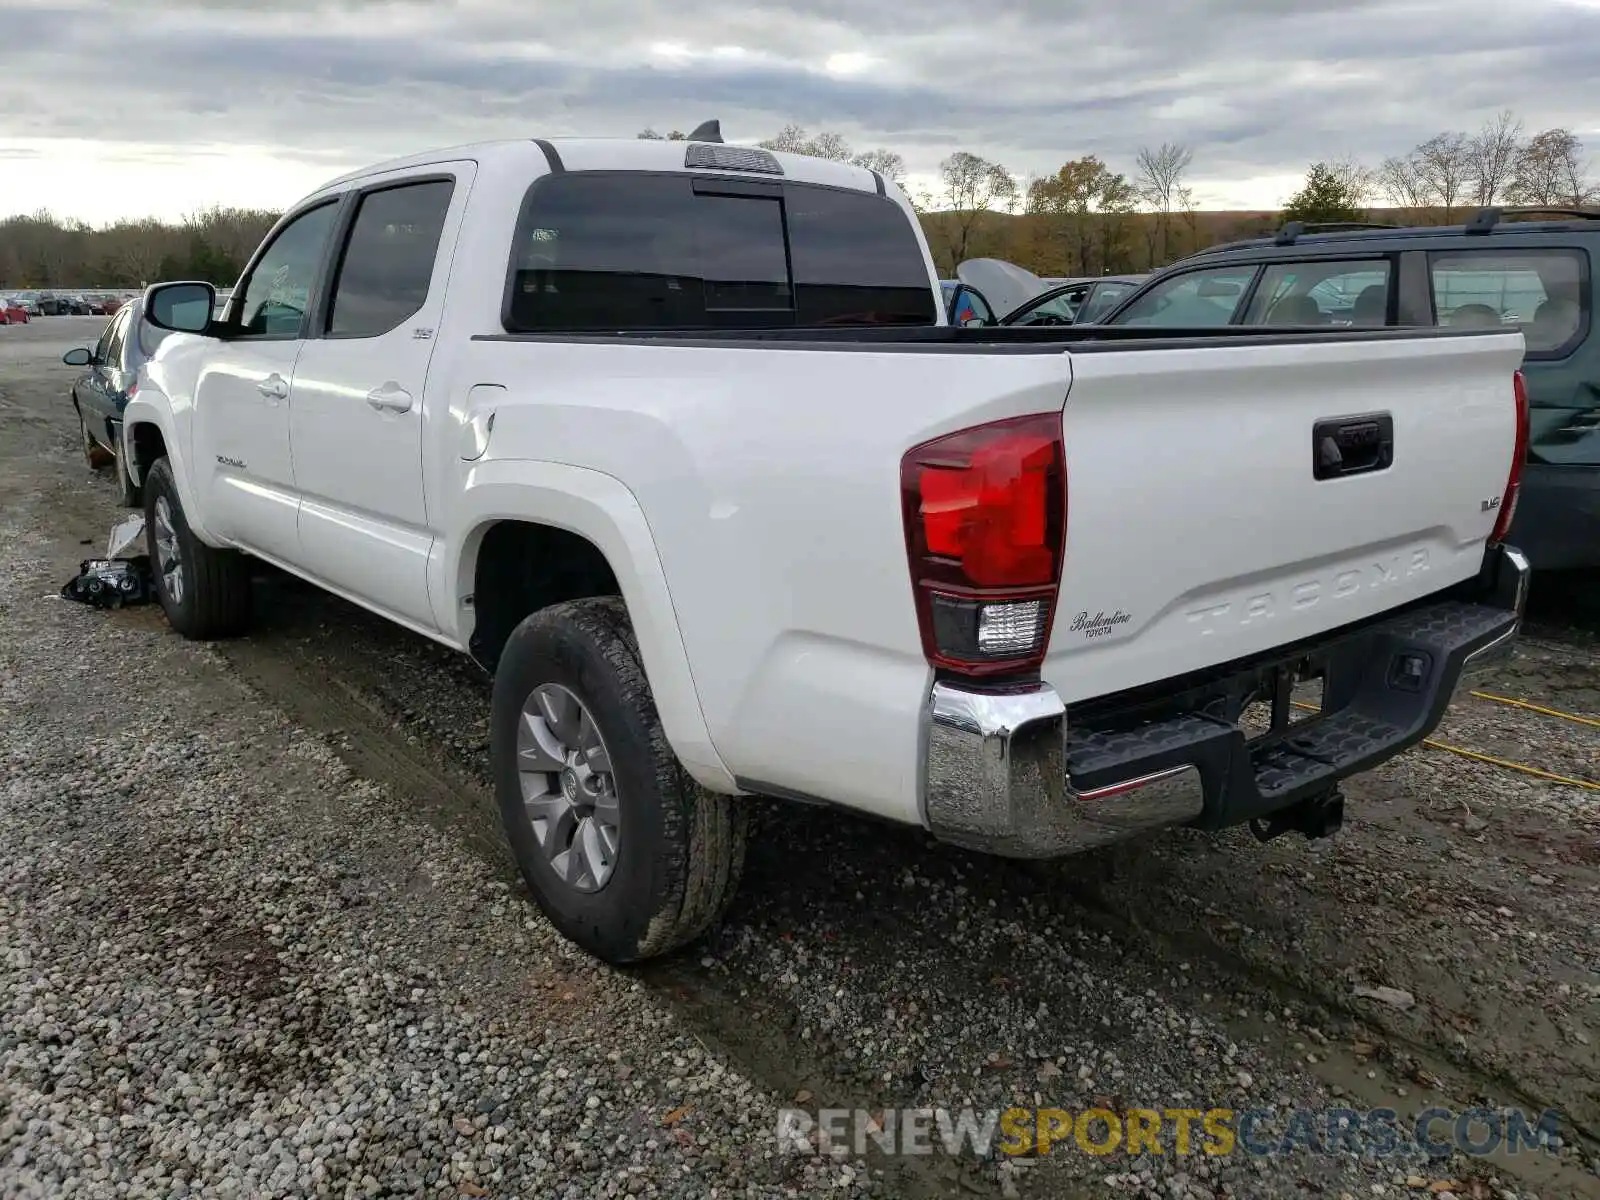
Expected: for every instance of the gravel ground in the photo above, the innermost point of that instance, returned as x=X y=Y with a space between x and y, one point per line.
x=259 y=936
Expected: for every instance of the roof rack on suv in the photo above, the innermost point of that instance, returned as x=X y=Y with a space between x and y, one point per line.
x=1488 y=217
x=1292 y=230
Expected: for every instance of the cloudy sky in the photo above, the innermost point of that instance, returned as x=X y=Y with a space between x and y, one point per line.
x=112 y=108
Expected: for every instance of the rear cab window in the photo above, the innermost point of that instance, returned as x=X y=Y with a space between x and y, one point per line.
x=627 y=252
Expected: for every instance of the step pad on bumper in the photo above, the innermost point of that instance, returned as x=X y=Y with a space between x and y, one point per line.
x=1387 y=685
x=1014 y=771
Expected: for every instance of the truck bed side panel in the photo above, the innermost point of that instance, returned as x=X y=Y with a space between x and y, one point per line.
x=771 y=482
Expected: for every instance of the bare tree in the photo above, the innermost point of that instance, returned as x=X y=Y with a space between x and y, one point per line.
x=1158 y=182
x=1551 y=169
x=1400 y=179
x=1159 y=172
x=1446 y=163
x=885 y=162
x=1359 y=181
x=1492 y=157
x=970 y=188
x=792 y=139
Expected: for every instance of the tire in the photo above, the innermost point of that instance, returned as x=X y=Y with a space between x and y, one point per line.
x=679 y=849
x=209 y=594
x=94 y=453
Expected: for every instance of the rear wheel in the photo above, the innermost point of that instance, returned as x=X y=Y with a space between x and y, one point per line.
x=625 y=854
x=205 y=592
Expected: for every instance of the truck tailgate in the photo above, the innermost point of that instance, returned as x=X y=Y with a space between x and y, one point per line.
x=1198 y=530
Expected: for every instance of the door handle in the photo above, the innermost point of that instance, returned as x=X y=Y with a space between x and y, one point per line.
x=391 y=397
x=274 y=387
x=1342 y=446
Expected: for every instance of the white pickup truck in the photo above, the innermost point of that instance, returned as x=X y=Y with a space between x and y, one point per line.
x=673 y=439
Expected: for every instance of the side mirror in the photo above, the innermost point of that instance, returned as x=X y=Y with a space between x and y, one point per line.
x=181 y=307
x=78 y=357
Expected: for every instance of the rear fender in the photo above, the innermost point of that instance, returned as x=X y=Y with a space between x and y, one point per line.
x=601 y=509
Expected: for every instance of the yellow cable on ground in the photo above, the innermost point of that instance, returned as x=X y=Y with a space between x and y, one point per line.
x=1538 y=708
x=1512 y=766
x=1537 y=772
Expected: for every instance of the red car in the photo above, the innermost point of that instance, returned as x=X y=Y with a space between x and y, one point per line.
x=12 y=312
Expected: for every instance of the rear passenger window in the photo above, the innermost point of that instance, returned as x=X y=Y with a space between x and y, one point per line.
x=621 y=253
x=388 y=261
x=1544 y=292
x=119 y=337
x=102 y=349
x=1193 y=300
x=1322 y=293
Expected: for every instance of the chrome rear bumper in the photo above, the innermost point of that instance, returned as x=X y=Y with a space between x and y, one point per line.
x=995 y=771
x=997 y=780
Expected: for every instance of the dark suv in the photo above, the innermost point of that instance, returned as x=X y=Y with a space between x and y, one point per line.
x=1492 y=272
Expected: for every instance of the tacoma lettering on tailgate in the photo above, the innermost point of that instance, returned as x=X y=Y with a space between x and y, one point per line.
x=1296 y=597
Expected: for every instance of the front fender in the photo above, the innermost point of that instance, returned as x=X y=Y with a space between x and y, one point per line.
x=600 y=508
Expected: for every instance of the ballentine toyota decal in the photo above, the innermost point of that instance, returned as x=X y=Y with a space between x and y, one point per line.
x=1098 y=624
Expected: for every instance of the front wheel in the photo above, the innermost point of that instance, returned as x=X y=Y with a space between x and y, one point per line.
x=205 y=592
x=625 y=854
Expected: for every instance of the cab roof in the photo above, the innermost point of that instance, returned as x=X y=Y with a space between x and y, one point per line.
x=639 y=154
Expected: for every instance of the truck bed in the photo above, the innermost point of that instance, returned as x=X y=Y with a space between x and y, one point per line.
x=1196 y=532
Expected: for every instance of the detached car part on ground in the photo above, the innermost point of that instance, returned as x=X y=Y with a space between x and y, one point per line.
x=731 y=516
x=1529 y=269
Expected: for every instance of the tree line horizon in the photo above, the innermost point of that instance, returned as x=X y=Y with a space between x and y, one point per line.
x=1086 y=218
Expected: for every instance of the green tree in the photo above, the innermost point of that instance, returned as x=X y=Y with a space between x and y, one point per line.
x=1084 y=216
x=1324 y=197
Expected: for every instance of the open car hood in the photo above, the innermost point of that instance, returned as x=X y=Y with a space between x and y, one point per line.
x=1006 y=286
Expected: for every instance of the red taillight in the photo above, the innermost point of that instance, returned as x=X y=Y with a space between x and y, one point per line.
x=986 y=520
x=1519 y=457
